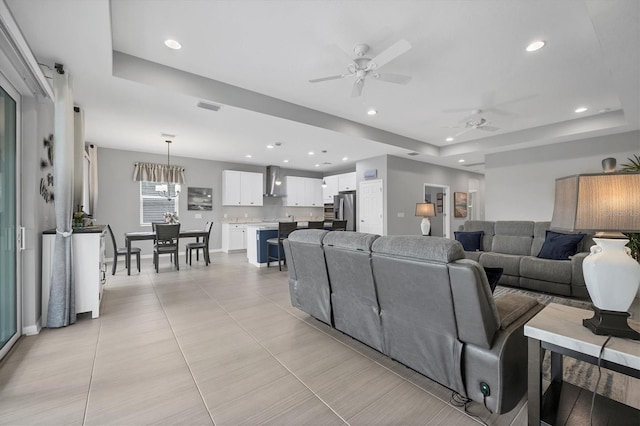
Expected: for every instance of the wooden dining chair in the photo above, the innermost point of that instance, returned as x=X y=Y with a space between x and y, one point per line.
x=284 y=229
x=166 y=242
x=316 y=224
x=204 y=245
x=120 y=251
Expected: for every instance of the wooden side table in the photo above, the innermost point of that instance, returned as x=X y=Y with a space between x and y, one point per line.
x=559 y=329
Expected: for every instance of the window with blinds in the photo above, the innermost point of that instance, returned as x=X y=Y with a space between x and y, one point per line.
x=153 y=206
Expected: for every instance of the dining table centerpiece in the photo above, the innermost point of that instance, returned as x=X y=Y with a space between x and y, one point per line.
x=171 y=217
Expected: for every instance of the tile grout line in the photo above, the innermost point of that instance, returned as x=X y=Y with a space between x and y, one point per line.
x=93 y=367
x=175 y=338
x=273 y=356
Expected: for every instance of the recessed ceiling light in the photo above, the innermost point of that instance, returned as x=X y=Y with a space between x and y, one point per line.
x=461 y=160
x=270 y=146
x=311 y=153
x=345 y=158
x=172 y=44
x=372 y=112
x=581 y=109
x=248 y=155
x=449 y=139
x=536 y=45
x=285 y=161
x=317 y=165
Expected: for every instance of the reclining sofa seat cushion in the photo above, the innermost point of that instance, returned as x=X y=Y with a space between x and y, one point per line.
x=416 y=307
x=308 y=278
x=354 y=299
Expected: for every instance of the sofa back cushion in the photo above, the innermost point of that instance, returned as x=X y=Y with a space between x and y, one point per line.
x=416 y=306
x=308 y=278
x=481 y=225
x=513 y=237
x=354 y=299
x=539 y=233
x=476 y=312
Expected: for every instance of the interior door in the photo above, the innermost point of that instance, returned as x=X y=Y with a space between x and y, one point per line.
x=370 y=207
x=9 y=294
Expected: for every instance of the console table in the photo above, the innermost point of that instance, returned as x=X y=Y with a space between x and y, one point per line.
x=558 y=328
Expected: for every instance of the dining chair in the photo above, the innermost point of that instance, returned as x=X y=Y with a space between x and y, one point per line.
x=204 y=245
x=284 y=229
x=166 y=242
x=316 y=224
x=339 y=225
x=122 y=251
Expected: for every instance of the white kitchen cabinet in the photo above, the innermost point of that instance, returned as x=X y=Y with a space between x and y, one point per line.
x=347 y=182
x=303 y=192
x=251 y=189
x=241 y=188
x=234 y=237
x=330 y=190
x=89 y=269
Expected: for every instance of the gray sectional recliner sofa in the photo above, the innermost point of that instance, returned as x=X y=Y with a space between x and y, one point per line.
x=419 y=301
x=514 y=246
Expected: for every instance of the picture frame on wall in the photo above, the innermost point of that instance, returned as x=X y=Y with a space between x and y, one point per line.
x=459 y=204
x=199 y=198
x=439 y=198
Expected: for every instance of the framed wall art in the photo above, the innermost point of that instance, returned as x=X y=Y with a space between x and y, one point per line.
x=199 y=198
x=459 y=204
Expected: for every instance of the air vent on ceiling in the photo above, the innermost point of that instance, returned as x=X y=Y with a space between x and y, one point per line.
x=209 y=106
x=413 y=154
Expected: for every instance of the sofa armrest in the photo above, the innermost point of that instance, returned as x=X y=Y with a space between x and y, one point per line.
x=503 y=367
x=577 y=277
x=513 y=306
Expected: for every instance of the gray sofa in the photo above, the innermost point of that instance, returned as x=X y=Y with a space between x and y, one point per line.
x=514 y=246
x=419 y=301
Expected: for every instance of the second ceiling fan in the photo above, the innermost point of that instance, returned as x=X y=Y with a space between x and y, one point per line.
x=363 y=67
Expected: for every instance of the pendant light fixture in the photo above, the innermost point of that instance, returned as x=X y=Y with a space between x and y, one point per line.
x=163 y=188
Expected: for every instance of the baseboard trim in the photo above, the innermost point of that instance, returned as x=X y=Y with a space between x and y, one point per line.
x=31 y=330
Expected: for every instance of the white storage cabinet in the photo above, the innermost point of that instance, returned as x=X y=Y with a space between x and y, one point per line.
x=234 y=237
x=89 y=269
x=303 y=192
x=241 y=188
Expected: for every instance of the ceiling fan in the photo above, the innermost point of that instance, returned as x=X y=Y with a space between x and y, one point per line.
x=363 y=67
x=474 y=122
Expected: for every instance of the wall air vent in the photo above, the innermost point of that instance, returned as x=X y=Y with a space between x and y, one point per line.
x=413 y=154
x=209 y=106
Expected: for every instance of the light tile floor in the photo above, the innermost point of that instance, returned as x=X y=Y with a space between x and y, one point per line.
x=214 y=345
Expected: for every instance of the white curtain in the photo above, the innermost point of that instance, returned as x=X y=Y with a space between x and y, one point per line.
x=61 y=311
x=152 y=172
x=92 y=150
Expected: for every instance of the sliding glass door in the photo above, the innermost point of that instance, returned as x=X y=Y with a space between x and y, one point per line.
x=9 y=308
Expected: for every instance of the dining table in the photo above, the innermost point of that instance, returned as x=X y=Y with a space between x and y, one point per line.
x=151 y=235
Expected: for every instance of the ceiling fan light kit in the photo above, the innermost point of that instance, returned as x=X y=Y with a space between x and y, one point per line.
x=363 y=67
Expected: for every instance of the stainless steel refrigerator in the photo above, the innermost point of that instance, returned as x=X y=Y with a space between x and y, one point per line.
x=344 y=208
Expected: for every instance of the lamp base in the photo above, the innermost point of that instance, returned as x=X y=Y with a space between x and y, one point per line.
x=610 y=323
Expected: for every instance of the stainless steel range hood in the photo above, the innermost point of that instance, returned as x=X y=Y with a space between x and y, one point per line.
x=273 y=182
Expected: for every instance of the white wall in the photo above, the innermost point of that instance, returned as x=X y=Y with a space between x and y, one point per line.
x=520 y=185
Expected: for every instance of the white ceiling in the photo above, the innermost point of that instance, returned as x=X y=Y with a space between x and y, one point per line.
x=255 y=58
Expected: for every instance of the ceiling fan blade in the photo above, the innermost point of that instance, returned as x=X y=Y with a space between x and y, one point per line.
x=462 y=132
x=389 y=54
x=357 y=88
x=333 y=77
x=394 y=78
x=488 y=128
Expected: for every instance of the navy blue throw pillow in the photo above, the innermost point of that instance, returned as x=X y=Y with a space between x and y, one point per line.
x=471 y=241
x=558 y=246
x=493 y=276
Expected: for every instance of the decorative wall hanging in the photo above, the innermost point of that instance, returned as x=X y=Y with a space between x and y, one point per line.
x=460 y=204
x=46 y=182
x=199 y=198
